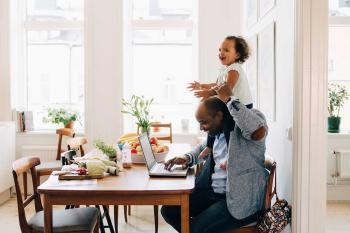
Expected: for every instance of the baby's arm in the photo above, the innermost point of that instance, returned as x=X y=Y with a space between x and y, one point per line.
x=207 y=86
x=200 y=86
x=232 y=78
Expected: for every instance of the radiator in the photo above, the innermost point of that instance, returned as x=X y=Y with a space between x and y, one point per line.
x=45 y=153
x=7 y=153
x=343 y=163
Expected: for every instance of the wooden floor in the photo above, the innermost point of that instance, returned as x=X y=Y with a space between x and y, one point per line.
x=338 y=217
x=141 y=219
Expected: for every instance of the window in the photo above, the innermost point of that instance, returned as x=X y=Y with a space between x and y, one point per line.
x=162 y=54
x=53 y=58
x=339 y=50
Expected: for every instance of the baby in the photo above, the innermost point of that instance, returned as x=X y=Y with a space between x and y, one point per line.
x=233 y=52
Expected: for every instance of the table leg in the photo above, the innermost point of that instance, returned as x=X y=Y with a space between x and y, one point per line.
x=116 y=218
x=47 y=215
x=185 y=214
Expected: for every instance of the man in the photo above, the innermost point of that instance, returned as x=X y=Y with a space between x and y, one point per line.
x=231 y=198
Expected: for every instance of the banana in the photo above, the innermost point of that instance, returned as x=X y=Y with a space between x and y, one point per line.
x=129 y=137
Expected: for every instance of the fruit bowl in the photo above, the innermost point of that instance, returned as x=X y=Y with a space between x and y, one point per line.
x=138 y=158
x=159 y=150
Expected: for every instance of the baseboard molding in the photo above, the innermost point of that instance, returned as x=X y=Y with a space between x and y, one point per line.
x=5 y=196
x=338 y=192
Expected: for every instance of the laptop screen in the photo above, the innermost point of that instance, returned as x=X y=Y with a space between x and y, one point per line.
x=147 y=150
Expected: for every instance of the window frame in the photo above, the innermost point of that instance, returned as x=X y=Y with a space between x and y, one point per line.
x=339 y=21
x=20 y=58
x=132 y=24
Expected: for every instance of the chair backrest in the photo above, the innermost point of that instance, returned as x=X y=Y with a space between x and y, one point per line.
x=270 y=165
x=68 y=156
x=168 y=126
x=68 y=132
x=19 y=167
x=77 y=144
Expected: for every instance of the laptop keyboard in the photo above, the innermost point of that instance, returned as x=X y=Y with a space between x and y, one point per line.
x=160 y=168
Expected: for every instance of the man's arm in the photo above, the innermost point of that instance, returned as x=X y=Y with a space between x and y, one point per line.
x=190 y=158
x=194 y=153
x=251 y=122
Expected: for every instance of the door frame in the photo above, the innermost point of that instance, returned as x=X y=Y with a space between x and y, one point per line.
x=309 y=116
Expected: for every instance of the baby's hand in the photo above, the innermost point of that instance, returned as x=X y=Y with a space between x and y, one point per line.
x=204 y=153
x=194 y=86
x=223 y=166
x=204 y=94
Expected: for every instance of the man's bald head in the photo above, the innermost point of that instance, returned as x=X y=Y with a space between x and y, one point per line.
x=210 y=114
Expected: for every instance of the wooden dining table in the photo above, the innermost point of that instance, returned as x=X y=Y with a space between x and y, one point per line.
x=132 y=186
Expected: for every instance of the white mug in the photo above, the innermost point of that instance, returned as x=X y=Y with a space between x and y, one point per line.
x=185 y=125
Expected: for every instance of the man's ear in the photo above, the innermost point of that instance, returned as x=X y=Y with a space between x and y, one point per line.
x=219 y=115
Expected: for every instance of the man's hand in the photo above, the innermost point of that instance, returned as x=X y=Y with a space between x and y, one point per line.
x=194 y=86
x=179 y=160
x=224 y=91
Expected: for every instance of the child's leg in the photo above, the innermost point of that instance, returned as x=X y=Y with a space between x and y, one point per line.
x=208 y=149
x=204 y=152
x=223 y=165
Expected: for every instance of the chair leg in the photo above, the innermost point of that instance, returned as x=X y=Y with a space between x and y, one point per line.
x=102 y=227
x=108 y=217
x=97 y=226
x=129 y=210
x=155 y=210
x=116 y=219
x=25 y=189
x=125 y=213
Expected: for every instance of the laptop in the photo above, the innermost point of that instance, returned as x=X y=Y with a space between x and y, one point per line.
x=155 y=168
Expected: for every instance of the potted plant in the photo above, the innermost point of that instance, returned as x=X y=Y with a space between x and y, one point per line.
x=337 y=94
x=139 y=107
x=110 y=151
x=61 y=115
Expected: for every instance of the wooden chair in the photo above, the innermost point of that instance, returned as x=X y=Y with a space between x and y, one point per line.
x=46 y=168
x=82 y=220
x=270 y=165
x=167 y=137
x=77 y=144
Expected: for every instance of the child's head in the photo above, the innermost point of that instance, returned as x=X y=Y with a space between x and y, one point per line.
x=233 y=49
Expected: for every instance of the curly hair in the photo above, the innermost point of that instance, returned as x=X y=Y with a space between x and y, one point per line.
x=241 y=47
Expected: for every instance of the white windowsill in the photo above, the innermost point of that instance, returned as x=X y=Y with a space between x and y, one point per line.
x=81 y=133
x=40 y=133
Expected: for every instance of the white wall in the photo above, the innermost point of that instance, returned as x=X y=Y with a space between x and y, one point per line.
x=5 y=99
x=104 y=69
x=216 y=20
x=278 y=145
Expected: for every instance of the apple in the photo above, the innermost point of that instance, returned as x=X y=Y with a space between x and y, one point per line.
x=138 y=148
x=133 y=151
x=161 y=149
x=153 y=141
